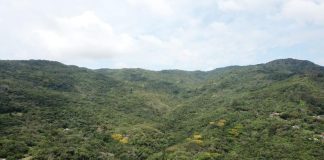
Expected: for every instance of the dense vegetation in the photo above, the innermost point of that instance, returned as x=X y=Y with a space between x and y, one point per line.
x=269 y=111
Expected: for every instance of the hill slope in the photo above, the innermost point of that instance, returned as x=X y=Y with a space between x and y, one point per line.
x=49 y=110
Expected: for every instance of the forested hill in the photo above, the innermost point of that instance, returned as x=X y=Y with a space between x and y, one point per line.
x=49 y=110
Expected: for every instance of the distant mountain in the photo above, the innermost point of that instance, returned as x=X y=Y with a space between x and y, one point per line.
x=49 y=110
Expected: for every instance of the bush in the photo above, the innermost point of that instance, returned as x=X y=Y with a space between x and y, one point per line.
x=13 y=149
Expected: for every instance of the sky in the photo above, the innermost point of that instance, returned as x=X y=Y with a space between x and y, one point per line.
x=162 y=34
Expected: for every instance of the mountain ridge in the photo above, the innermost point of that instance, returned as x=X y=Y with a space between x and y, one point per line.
x=276 y=62
x=49 y=110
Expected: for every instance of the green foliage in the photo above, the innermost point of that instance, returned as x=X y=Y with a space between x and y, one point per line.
x=207 y=156
x=53 y=111
x=13 y=149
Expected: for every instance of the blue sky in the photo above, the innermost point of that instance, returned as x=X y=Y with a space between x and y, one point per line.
x=162 y=34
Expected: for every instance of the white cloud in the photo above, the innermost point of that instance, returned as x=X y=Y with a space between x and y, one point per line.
x=160 y=34
x=229 y=5
x=304 y=11
x=246 y=5
x=83 y=36
x=159 y=7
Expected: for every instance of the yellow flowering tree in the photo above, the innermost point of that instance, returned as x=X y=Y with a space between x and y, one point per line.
x=221 y=123
x=197 y=139
x=120 y=138
x=197 y=136
x=117 y=136
x=235 y=131
x=124 y=140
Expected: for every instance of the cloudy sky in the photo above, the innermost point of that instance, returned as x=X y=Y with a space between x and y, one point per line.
x=162 y=34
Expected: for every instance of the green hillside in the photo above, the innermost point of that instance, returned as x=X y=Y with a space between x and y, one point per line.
x=49 y=110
